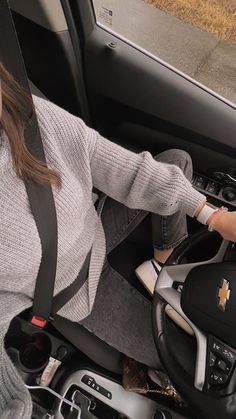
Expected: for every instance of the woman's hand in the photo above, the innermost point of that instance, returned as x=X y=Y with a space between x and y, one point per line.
x=225 y=224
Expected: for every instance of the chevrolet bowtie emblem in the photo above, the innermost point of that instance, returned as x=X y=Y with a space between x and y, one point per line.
x=223 y=294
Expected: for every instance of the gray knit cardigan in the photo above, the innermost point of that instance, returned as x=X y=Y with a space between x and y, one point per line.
x=85 y=159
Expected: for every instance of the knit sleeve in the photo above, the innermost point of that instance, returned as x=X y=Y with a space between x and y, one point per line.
x=136 y=180
x=64 y=132
x=15 y=400
x=139 y=181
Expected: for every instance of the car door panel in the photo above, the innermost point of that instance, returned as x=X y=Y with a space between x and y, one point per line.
x=123 y=76
x=139 y=137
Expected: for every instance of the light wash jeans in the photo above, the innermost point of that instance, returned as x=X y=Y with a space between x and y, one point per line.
x=121 y=315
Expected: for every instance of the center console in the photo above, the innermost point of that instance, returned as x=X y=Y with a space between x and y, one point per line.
x=65 y=384
x=102 y=398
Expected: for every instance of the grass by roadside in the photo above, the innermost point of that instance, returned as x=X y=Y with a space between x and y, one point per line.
x=215 y=16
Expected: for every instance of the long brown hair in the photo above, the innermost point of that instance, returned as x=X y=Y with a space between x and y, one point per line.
x=17 y=106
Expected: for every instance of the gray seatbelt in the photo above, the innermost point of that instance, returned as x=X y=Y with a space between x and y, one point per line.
x=40 y=195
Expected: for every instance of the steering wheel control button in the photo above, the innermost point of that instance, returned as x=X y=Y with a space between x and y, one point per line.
x=220 y=364
x=212 y=360
x=223 y=366
x=212 y=188
x=217 y=378
x=217 y=347
x=222 y=350
x=90 y=381
x=229 y=355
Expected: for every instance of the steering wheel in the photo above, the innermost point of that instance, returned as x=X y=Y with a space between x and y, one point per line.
x=207 y=303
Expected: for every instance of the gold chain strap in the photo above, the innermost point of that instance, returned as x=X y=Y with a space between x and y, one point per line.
x=169 y=391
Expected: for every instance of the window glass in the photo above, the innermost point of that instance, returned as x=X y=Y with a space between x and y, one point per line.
x=198 y=37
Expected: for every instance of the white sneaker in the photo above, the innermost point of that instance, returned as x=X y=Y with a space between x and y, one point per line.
x=148 y=273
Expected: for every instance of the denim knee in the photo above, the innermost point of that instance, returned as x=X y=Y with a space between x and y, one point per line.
x=180 y=158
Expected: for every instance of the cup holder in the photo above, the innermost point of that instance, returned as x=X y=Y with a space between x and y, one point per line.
x=35 y=352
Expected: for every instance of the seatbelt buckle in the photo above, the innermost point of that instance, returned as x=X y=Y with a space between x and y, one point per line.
x=38 y=321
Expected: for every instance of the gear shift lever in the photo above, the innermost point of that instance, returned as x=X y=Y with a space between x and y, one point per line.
x=81 y=400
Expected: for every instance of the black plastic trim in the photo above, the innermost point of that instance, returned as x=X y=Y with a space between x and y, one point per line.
x=52 y=65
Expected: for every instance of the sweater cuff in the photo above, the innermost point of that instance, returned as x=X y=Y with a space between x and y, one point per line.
x=192 y=201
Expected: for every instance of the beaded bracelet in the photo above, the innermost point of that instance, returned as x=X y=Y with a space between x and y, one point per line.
x=218 y=212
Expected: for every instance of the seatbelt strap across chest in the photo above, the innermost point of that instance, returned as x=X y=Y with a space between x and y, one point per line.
x=40 y=195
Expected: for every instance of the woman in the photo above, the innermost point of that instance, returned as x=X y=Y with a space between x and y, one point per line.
x=78 y=159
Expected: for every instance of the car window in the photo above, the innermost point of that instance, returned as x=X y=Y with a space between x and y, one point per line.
x=201 y=45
